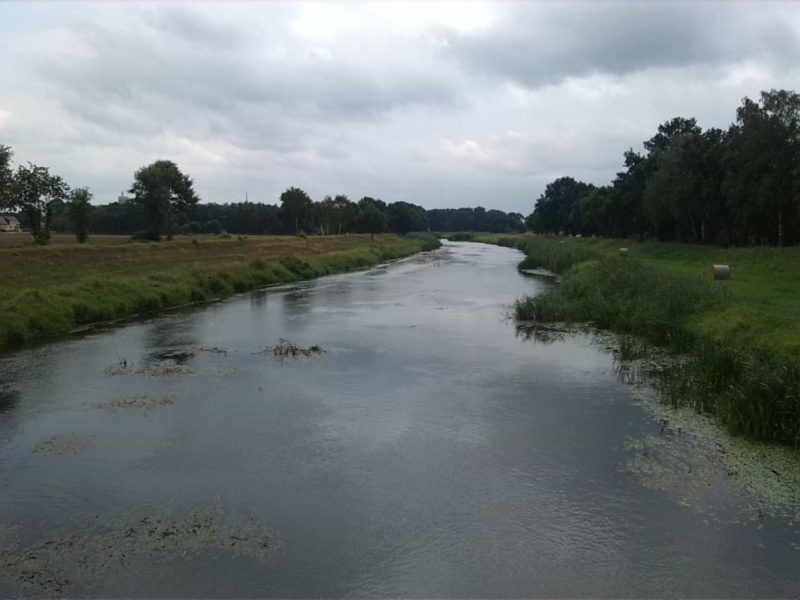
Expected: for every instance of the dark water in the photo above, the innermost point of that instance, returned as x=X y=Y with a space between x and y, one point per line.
x=429 y=452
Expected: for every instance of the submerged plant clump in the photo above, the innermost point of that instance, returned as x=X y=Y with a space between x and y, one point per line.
x=144 y=402
x=163 y=368
x=60 y=446
x=286 y=349
x=98 y=550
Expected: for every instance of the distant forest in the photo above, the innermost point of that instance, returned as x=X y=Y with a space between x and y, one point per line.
x=735 y=187
x=333 y=215
x=739 y=186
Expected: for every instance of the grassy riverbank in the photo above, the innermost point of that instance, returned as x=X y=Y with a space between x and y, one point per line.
x=741 y=337
x=53 y=290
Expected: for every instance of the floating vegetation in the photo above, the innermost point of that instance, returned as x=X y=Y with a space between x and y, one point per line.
x=54 y=447
x=168 y=369
x=544 y=333
x=179 y=355
x=164 y=368
x=286 y=349
x=213 y=349
x=59 y=566
x=691 y=455
x=144 y=402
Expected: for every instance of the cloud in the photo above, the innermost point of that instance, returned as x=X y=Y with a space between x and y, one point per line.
x=436 y=103
x=543 y=43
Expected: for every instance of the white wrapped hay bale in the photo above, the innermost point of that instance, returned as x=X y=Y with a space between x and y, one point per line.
x=721 y=271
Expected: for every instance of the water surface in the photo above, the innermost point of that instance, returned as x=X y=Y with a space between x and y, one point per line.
x=430 y=451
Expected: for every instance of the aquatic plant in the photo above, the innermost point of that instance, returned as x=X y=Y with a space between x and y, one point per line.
x=286 y=349
x=740 y=337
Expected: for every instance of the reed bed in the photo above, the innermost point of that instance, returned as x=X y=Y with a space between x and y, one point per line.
x=740 y=338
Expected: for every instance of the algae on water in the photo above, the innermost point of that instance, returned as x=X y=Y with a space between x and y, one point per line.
x=55 y=447
x=143 y=402
x=94 y=552
x=692 y=456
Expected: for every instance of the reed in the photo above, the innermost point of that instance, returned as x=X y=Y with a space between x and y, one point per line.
x=740 y=338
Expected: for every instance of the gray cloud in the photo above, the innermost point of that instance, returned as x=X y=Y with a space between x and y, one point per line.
x=440 y=104
x=540 y=44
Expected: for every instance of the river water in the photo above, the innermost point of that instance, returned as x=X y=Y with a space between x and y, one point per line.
x=429 y=451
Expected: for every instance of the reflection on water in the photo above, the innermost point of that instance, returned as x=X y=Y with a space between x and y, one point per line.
x=430 y=451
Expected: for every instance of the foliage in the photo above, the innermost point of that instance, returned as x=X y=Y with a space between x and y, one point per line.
x=370 y=218
x=740 y=338
x=163 y=191
x=79 y=210
x=404 y=217
x=735 y=187
x=37 y=193
x=475 y=219
x=6 y=177
x=296 y=210
x=429 y=241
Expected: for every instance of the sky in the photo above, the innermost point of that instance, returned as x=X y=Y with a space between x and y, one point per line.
x=442 y=104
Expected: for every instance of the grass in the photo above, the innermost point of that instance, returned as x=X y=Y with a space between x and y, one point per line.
x=23 y=238
x=741 y=337
x=53 y=290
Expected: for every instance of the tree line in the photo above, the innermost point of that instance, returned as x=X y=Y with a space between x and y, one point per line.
x=739 y=186
x=162 y=202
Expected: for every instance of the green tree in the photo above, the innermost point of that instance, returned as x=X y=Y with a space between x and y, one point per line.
x=762 y=164
x=163 y=191
x=370 y=219
x=36 y=193
x=557 y=208
x=6 y=177
x=296 y=209
x=404 y=217
x=79 y=212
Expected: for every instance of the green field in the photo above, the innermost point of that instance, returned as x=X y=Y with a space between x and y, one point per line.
x=741 y=336
x=52 y=290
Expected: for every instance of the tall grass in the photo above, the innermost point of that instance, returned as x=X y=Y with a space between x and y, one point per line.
x=428 y=241
x=751 y=387
x=50 y=308
x=629 y=297
x=751 y=392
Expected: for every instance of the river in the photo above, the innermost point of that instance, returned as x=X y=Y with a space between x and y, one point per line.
x=429 y=450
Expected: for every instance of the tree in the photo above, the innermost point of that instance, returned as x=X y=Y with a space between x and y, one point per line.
x=6 y=177
x=163 y=191
x=762 y=165
x=79 y=212
x=36 y=192
x=371 y=220
x=404 y=217
x=557 y=209
x=296 y=209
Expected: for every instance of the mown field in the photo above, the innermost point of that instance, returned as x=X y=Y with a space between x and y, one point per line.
x=55 y=289
x=741 y=337
x=21 y=238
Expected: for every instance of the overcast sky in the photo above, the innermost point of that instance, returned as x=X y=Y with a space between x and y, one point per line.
x=451 y=104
